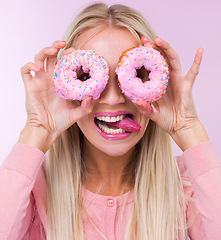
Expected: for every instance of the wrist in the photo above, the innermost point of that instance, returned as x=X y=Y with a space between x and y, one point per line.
x=190 y=136
x=36 y=137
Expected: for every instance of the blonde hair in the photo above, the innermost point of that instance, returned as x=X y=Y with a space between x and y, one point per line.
x=159 y=209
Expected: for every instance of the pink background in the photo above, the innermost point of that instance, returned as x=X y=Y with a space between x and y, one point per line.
x=28 y=26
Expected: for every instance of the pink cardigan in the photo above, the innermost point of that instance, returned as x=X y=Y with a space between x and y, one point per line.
x=23 y=197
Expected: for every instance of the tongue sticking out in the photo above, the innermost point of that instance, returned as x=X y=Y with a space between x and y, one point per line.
x=126 y=124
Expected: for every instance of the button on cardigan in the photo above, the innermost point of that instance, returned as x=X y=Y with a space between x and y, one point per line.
x=23 y=197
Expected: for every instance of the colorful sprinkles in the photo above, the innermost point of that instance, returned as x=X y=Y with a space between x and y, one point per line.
x=65 y=75
x=152 y=61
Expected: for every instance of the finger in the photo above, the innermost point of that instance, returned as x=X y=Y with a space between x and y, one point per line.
x=171 y=55
x=26 y=70
x=147 y=109
x=84 y=109
x=194 y=70
x=146 y=42
x=68 y=51
x=40 y=57
x=58 y=44
x=52 y=60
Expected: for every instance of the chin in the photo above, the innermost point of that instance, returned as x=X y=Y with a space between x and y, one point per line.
x=111 y=148
x=117 y=151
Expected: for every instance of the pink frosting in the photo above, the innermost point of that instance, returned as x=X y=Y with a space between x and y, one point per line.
x=131 y=85
x=65 y=75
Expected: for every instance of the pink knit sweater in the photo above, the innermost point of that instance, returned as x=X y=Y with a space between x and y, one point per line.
x=23 y=197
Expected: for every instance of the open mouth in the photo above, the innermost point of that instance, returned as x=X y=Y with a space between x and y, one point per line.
x=115 y=124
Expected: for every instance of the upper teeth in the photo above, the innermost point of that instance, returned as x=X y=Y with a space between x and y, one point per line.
x=111 y=119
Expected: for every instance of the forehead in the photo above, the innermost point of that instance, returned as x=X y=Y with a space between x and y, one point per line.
x=109 y=42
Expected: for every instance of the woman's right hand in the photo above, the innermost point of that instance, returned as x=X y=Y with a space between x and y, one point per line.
x=48 y=114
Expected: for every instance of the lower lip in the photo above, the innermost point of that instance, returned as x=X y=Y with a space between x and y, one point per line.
x=117 y=136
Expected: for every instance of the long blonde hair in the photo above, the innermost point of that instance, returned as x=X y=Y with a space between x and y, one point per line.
x=159 y=209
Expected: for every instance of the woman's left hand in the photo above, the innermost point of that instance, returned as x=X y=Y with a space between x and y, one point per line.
x=176 y=113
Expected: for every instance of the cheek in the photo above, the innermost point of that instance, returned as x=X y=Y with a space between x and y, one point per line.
x=144 y=122
x=86 y=125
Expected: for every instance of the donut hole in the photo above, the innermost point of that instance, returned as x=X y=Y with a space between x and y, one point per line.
x=83 y=75
x=143 y=74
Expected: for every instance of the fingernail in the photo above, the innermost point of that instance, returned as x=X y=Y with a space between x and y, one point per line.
x=88 y=101
x=157 y=38
x=153 y=108
x=37 y=68
x=139 y=104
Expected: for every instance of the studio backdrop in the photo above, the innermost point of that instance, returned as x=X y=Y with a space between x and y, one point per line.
x=28 y=26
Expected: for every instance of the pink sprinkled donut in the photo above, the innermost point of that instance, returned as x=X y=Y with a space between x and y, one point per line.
x=152 y=61
x=66 y=83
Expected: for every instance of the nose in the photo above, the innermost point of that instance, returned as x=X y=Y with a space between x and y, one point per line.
x=112 y=94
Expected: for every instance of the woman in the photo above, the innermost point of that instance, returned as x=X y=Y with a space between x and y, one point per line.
x=102 y=186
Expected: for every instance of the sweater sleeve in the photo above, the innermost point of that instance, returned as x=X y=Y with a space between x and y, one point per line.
x=17 y=177
x=204 y=169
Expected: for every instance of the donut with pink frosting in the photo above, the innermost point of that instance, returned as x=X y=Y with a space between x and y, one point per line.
x=131 y=85
x=66 y=82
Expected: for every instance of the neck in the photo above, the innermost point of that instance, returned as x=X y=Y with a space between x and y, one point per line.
x=105 y=171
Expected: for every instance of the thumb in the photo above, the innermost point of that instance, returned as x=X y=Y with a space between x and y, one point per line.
x=82 y=110
x=147 y=109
